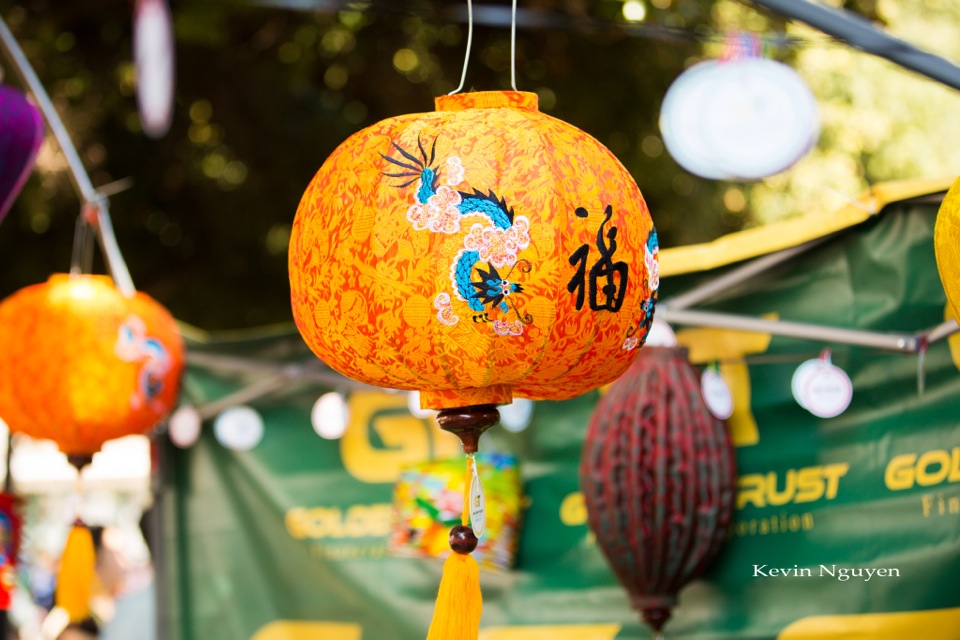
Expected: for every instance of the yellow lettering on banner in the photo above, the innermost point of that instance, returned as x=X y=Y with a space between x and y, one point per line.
x=359 y=521
x=899 y=473
x=555 y=632
x=809 y=486
x=299 y=630
x=939 y=624
x=832 y=473
x=406 y=439
x=926 y=469
x=573 y=510
x=799 y=485
x=728 y=348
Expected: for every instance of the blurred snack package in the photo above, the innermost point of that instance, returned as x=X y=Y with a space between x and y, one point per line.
x=428 y=499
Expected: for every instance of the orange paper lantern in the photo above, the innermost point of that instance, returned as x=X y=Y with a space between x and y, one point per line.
x=81 y=364
x=478 y=253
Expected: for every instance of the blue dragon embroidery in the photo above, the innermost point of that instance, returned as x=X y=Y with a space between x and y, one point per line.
x=479 y=284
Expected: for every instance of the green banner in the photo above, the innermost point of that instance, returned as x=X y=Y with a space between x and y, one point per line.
x=846 y=527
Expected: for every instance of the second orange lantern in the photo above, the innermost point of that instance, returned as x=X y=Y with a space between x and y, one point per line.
x=81 y=364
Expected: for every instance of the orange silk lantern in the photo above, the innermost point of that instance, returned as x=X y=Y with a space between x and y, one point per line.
x=81 y=364
x=476 y=253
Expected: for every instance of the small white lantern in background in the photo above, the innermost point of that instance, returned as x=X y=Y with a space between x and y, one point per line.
x=739 y=119
x=330 y=416
x=516 y=416
x=153 y=52
x=184 y=426
x=238 y=428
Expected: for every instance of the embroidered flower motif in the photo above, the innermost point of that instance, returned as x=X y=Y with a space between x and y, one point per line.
x=632 y=342
x=498 y=246
x=134 y=345
x=653 y=267
x=454 y=171
x=507 y=328
x=439 y=214
x=445 y=309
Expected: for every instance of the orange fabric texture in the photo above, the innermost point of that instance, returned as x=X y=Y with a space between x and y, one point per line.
x=476 y=253
x=946 y=243
x=81 y=364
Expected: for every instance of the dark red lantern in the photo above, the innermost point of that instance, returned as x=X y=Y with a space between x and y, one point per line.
x=659 y=479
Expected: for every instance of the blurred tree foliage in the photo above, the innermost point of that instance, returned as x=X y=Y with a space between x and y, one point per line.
x=266 y=91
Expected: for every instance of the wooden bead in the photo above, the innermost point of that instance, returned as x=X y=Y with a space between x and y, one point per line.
x=462 y=539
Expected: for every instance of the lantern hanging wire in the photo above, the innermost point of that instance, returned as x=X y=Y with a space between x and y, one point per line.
x=94 y=211
x=466 y=57
x=513 y=47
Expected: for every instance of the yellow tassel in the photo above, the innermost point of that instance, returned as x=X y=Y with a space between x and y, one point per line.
x=456 y=616
x=77 y=570
x=459 y=603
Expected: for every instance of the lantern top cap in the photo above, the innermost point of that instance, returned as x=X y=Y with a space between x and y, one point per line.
x=523 y=100
x=80 y=285
x=62 y=278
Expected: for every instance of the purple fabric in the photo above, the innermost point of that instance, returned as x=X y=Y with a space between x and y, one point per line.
x=21 y=132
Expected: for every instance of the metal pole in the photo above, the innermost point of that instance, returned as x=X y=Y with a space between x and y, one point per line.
x=155 y=532
x=308 y=372
x=860 y=33
x=943 y=330
x=902 y=342
x=244 y=395
x=735 y=277
x=89 y=196
x=111 y=251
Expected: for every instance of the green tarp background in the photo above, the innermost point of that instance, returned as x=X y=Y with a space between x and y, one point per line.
x=258 y=544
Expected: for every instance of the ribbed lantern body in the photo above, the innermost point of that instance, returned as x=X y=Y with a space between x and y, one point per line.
x=476 y=253
x=946 y=243
x=658 y=477
x=81 y=364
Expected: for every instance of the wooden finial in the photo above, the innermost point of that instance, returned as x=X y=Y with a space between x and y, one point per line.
x=468 y=423
x=656 y=617
x=79 y=461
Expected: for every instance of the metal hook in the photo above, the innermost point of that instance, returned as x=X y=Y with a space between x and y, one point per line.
x=513 y=47
x=83 y=238
x=466 y=58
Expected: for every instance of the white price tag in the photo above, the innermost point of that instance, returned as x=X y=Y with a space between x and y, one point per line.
x=478 y=504
x=716 y=394
x=822 y=388
x=828 y=392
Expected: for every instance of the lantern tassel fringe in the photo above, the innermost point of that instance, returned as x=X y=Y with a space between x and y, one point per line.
x=456 y=616
x=459 y=602
x=77 y=572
